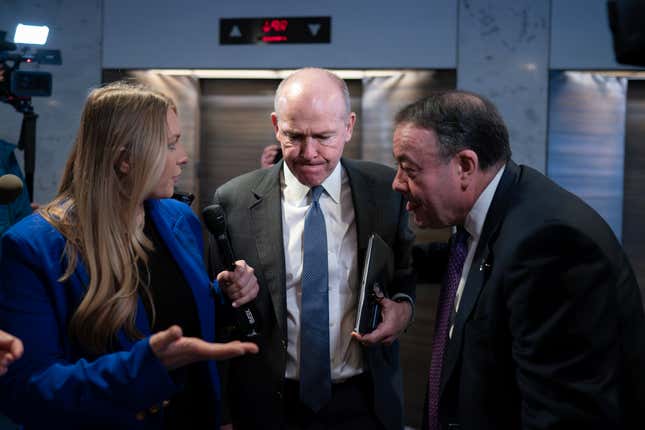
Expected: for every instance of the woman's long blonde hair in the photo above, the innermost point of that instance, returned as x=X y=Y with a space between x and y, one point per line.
x=98 y=206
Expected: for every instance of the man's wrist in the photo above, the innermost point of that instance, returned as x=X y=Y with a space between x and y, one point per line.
x=404 y=298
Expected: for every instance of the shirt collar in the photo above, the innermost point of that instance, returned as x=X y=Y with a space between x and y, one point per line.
x=295 y=190
x=474 y=222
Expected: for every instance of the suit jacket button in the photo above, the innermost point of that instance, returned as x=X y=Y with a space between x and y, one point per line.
x=278 y=394
x=165 y=403
x=140 y=416
x=154 y=409
x=283 y=343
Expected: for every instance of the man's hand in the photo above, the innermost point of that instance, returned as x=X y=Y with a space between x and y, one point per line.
x=268 y=155
x=11 y=349
x=240 y=286
x=174 y=350
x=396 y=317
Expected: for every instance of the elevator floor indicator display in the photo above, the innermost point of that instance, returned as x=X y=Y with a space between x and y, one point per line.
x=243 y=31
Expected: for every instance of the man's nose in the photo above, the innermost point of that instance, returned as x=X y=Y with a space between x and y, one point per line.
x=309 y=148
x=398 y=184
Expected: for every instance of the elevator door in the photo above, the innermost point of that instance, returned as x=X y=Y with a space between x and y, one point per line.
x=634 y=204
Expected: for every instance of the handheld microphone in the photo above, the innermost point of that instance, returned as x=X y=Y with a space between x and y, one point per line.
x=10 y=188
x=215 y=220
x=184 y=197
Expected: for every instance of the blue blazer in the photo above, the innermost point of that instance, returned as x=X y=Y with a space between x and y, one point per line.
x=55 y=382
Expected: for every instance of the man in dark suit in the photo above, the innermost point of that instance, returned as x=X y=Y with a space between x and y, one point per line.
x=316 y=203
x=540 y=323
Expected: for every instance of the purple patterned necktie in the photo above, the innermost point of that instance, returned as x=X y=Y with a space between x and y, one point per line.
x=458 y=252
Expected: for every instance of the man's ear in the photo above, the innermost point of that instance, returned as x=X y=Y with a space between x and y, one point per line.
x=274 y=121
x=467 y=165
x=350 y=125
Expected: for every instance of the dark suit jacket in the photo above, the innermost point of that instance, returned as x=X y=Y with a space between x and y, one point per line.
x=252 y=202
x=550 y=332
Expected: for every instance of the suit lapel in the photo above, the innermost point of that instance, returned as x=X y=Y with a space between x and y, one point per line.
x=266 y=225
x=364 y=208
x=480 y=268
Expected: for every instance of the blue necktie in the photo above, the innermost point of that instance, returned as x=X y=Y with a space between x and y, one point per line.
x=315 y=372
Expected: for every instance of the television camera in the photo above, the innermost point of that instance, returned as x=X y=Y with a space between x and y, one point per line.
x=17 y=87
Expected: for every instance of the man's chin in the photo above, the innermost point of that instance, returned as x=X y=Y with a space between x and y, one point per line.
x=422 y=221
x=418 y=220
x=310 y=178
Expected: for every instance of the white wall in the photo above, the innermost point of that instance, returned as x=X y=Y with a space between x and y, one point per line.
x=364 y=34
x=504 y=55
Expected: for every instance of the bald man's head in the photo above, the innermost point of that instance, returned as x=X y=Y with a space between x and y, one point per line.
x=312 y=122
x=312 y=80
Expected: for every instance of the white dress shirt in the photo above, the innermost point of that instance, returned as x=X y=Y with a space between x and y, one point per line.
x=336 y=203
x=474 y=224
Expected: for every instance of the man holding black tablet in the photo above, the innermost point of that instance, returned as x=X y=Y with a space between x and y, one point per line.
x=304 y=225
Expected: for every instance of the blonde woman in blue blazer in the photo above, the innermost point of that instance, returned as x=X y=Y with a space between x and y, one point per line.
x=106 y=285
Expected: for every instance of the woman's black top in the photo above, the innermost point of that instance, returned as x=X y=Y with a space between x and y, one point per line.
x=194 y=406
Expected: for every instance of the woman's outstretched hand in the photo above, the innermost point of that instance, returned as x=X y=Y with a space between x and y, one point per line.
x=10 y=350
x=174 y=350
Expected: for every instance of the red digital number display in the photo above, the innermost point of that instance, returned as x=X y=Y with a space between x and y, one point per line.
x=274 y=26
x=277 y=25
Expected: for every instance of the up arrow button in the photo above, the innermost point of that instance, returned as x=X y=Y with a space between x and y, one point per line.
x=235 y=32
